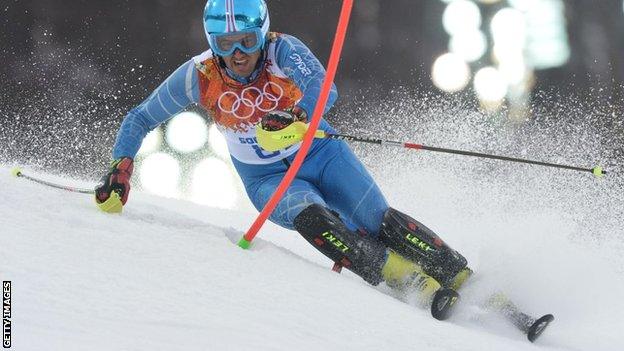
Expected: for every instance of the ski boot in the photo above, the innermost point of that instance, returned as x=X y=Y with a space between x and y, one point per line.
x=362 y=255
x=373 y=261
x=414 y=241
x=460 y=278
x=407 y=277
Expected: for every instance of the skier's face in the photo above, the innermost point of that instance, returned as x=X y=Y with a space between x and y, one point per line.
x=242 y=64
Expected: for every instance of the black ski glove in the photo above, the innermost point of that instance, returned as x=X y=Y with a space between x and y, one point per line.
x=278 y=120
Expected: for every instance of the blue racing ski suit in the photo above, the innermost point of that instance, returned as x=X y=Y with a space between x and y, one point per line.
x=331 y=174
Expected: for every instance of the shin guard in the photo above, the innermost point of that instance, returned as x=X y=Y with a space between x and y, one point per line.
x=328 y=234
x=416 y=242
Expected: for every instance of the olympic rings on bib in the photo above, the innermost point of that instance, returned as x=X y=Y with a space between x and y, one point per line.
x=246 y=100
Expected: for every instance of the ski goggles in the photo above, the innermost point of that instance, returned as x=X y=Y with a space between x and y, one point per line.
x=247 y=41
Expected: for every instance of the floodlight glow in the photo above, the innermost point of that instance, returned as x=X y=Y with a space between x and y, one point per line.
x=546 y=38
x=523 y=5
x=151 y=142
x=513 y=69
x=508 y=27
x=450 y=73
x=470 y=45
x=159 y=174
x=460 y=16
x=490 y=85
x=217 y=142
x=549 y=54
x=213 y=184
x=511 y=63
x=187 y=132
x=550 y=12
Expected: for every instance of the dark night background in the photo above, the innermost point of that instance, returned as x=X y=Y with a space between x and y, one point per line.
x=71 y=69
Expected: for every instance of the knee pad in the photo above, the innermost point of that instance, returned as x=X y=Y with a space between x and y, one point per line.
x=327 y=233
x=414 y=241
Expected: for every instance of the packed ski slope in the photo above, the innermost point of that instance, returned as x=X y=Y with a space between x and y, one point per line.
x=167 y=275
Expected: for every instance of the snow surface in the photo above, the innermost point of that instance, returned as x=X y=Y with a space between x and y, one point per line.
x=167 y=275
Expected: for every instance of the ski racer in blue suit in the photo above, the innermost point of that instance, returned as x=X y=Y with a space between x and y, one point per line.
x=252 y=78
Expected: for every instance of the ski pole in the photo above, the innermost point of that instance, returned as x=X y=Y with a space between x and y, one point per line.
x=276 y=140
x=597 y=171
x=18 y=173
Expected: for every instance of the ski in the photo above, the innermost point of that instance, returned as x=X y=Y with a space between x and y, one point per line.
x=445 y=300
x=530 y=326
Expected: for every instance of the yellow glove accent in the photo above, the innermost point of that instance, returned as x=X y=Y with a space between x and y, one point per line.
x=112 y=204
x=281 y=139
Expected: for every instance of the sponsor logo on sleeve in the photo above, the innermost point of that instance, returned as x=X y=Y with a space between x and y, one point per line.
x=301 y=65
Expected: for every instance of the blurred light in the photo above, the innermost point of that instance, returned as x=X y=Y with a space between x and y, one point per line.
x=509 y=28
x=513 y=69
x=502 y=53
x=160 y=174
x=490 y=85
x=489 y=2
x=151 y=142
x=213 y=184
x=450 y=73
x=547 y=12
x=460 y=16
x=470 y=45
x=187 y=132
x=549 y=54
x=217 y=142
x=547 y=44
x=523 y=5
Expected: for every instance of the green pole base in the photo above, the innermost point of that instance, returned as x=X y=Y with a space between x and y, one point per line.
x=16 y=172
x=244 y=243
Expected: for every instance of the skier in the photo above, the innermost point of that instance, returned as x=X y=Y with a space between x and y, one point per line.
x=252 y=78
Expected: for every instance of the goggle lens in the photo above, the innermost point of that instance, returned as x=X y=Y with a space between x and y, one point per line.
x=226 y=44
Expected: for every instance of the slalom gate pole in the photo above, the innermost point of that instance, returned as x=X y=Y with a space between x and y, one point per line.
x=18 y=173
x=597 y=171
x=332 y=66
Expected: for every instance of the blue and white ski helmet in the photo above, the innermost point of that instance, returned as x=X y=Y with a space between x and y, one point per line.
x=228 y=16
